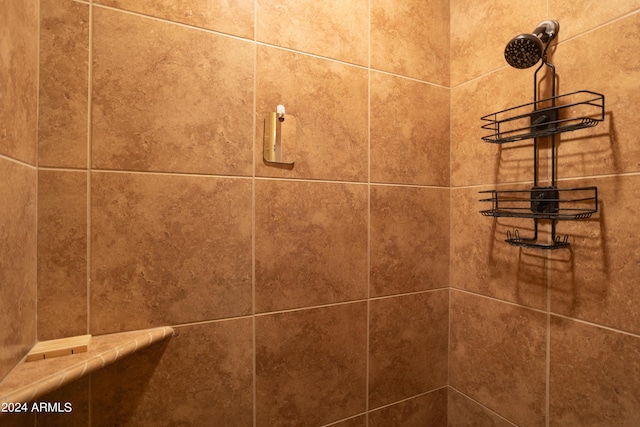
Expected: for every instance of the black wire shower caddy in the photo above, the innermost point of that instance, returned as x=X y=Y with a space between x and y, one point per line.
x=544 y=118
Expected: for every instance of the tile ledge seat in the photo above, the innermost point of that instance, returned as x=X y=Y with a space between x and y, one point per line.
x=31 y=380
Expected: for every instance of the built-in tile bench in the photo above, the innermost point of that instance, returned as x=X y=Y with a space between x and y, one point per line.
x=30 y=380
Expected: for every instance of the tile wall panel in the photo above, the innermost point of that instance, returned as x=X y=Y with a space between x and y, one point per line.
x=64 y=81
x=168 y=250
x=311 y=365
x=332 y=28
x=409 y=239
x=329 y=102
x=169 y=98
x=407 y=346
x=409 y=131
x=311 y=244
x=62 y=254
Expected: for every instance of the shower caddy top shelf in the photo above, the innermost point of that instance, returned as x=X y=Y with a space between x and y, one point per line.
x=543 y=118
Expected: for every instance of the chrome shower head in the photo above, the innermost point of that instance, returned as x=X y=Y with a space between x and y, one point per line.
x=526 y=50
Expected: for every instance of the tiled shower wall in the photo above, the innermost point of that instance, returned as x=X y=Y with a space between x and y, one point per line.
x=546 y=337
x=318 y=293
x=304 y=295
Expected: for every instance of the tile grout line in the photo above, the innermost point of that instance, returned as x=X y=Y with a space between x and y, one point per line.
x=88 y=189
x=253 y=222
x=368 y=322
x=37 y=171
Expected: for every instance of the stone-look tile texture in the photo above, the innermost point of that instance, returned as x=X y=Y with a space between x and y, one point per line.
x=311 y=365
x=17 y=263
x=598 y=280
x=200 y=376
x=497 y=356
x=201 y=122
x=311 y=244
x=64 y=80
x=578 y=16
x=62 y=254
x=427 y=410
x=168 y=250
x=334 y=28
x=594 y=376
x=77 y=395
x=604 y=61
x=235 y=17
x=410 y=38
x=360 y=421
x=480 y=31
x=407 y=346
x=409 y=239
x=484 y=263
x=19 y=77
x=464 y=412
x=329 y=101
x=409 y=131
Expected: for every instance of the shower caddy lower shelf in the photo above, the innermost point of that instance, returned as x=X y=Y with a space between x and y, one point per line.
x=543 y=118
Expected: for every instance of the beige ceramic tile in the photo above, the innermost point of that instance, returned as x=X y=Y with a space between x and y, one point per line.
x=332 y=28
x=411 y=38
x=464 y=412
x=474 y=161
x=74 y=396
x=482 y=262
x=427 y=410
x=19 y=77
x=594 y=376
x=62 y=254
x=413 y=361
x=201 y=376
x=17 y=263
x=311 y=365
x=168 y=250
x=409 y=131
x=231 y=17
x=64 y=79
x=311 y=244
x=578 y=16
x=329 y=102
x=169 y=98
x=497 y=356
x=605 y=61
x=481 y=30
x=409 y=239
x=597 y=279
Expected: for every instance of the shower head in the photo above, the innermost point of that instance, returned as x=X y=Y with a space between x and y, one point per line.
x=526 y=50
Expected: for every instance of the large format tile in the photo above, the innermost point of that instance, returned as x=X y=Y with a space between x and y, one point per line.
x=407 y=346
x=409 y=239
x=474 y=161
x=411 y=38
x=332 y=28
x=598 y=279
x=168 y=250
x=232 y=17
x=409 y=131
x=482 y=262
x=17 y=263
x=62 y=254
x=578 y=16
x=201 y=376
x=311 y=365
x=604 y=61
x=497 y=356
x=169 y=98
x=64 y=82
x=329 y=102
x=594 y=376
x=311 y=244
x=481 y=30
x=19 y=77
x=427 y=410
